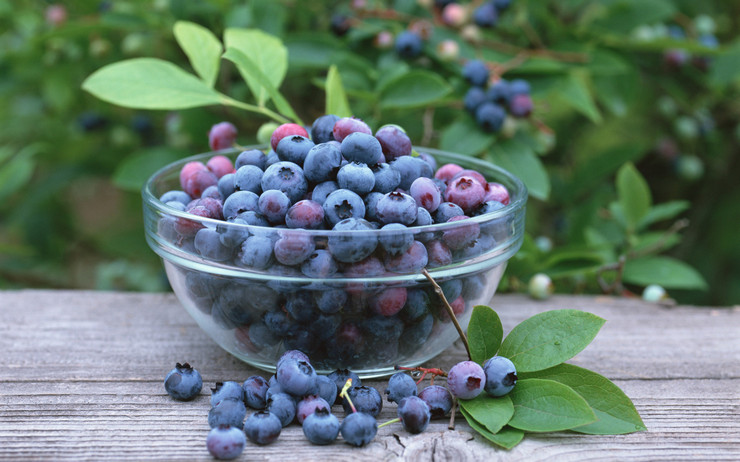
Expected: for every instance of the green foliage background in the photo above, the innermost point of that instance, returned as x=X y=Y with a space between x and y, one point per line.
x=631 y=165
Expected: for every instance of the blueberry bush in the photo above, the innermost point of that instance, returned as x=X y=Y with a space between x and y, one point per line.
x=620 y=116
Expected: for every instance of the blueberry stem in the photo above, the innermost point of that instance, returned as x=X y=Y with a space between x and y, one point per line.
x=450 y=312
x=344 y=394
x=252 y=108
x=424 y=371
x=451 y=425
x=389 y=422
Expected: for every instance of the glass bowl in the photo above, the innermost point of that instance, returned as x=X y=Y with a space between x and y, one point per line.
x=337 y=319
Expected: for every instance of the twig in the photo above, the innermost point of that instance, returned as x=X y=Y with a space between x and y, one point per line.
x=451 y=425
x=657 y=245
x=450 y=312
x=619 y=268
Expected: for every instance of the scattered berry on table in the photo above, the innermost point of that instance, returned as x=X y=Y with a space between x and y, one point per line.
x=183 y=382
x=226 y=442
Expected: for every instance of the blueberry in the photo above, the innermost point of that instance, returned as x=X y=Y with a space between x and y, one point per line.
x=283 y=406
x=438 y=399
x=327 y=389
x=239 y=202
x=519 y=87
x=500 y=376
x=295 y=376
x=371 y=205
x=255 y=392
x=322 y=190
x=342 y=204
x=466 y=192
x=387 y=179
x=408 y=45
x=321 y=129
x=417 y=305
x=287 y=177
x=411 y=168
x=248 y=178
x=356 y=177
x=309 y=405
x=301 y=306
x=319 y=265
x=255 y=252
x=330 y=301
x=389 y=301
x=262 y=427
x=502 y=5
x=397 y=207
x=521 y=105
x=225 y=390
x=451 y=288
x=176 y=195
x=229 y=411
x=279 y=322
x=498 y=228
x=474 y=97
x=292 y=355
x=476 y=72
x=499 y=93
x=208 y=244
x=293 y=248
x=447 y=210
x=285 y=130
x=340 y=376
x=251 y=157
x=294 y=148
x=229 y=311
x=253 y=218
x=226 y=442
x=423 y=218
x=359 y=428
x=183 y=382
x=347 y=125
x=362 y=147
x=365 y=399
x=466 y=380
x=211 y=192
x=221 y=136
x=481 y=245
x=349 y=244
x=485 y=15
x=400 y=386
x=461 y=235
x=490 y=117
x=416 y=334
x=322 y=162
x=274 y=204
x=272 y=158
x=393 y=141
x=411 y=261
x=321 y=427
x=395 y=238
x=414 y=414
x=426 y=193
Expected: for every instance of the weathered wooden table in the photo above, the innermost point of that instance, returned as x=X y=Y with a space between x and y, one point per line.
x=81 y=377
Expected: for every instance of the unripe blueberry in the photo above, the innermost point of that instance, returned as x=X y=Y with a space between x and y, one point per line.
x=540 y=286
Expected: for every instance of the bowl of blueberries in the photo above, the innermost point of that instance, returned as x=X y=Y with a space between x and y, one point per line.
x=351 y=246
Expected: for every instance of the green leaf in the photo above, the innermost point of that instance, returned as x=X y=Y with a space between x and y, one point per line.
x=492 y=413
x=521 y=160
x=634 y=194
x=336 y=98
x=149 y=83
x=268 y=55
x=484 y=334
x=414 y=89
x=549 y=338
x=574 y=91
x=548 y=406
x=16 y=172
x=507 y=438
x=615 y=412
x=566 y=261
x=665 y=271
x=725 y=68
x=664 y=211
x=464 y=137
x=247 y=67
x=132 y=173
x=202 y=48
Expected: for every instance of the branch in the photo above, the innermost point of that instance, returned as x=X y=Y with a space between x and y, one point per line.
x=450 y=312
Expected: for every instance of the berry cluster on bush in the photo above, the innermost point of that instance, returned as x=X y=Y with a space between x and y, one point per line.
x=297 y=394
x=374 y=199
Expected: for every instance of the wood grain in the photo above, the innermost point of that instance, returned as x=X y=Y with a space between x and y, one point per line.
x=81 y=379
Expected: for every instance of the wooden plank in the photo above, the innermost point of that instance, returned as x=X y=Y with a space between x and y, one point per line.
x=81 y=378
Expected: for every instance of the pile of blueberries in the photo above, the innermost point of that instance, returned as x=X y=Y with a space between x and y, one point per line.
x=338 y=203
x=489 y=104
x=297 y=393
